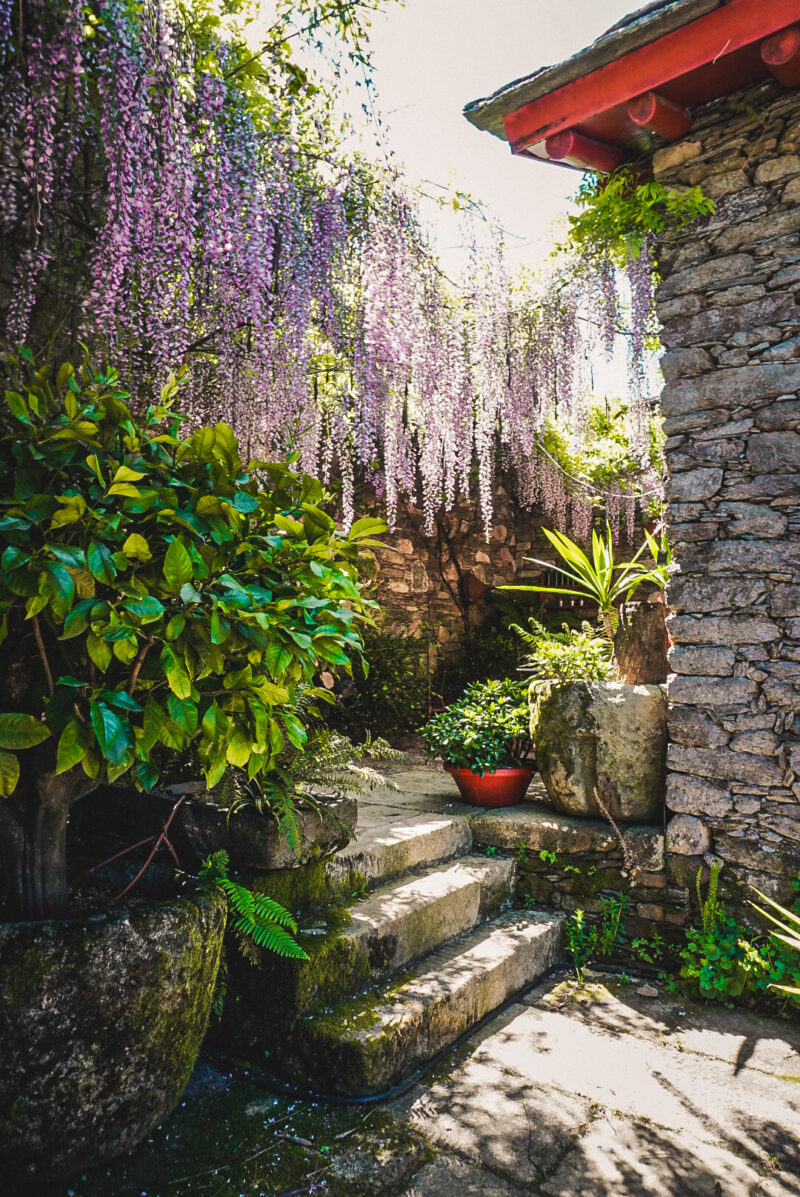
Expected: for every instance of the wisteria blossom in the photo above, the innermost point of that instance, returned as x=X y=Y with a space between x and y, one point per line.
x=148 y=211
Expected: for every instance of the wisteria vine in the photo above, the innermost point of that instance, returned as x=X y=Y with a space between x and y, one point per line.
x=146 y=210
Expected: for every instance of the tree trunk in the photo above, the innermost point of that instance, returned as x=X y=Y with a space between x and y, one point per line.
x=641 y=643
x=33 y=843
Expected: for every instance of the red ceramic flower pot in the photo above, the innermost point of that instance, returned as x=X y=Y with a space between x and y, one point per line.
x=504 y=787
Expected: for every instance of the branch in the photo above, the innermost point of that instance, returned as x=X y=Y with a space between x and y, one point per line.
x=137 y=665
x=37 y=631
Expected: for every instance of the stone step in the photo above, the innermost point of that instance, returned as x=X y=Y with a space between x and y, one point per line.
x=406 y=919
x=381 y=850
x=366 y=1044
x=355 y=946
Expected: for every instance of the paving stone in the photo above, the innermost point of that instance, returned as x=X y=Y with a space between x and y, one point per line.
x=619 y=1156
x=448 y=1176
x=502 y=1118
x=688 y=1091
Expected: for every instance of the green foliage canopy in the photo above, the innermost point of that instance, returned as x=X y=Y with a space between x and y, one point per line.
x=156 y=592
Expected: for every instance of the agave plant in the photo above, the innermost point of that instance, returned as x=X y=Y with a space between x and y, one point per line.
x=788 y=932
x=599 y=578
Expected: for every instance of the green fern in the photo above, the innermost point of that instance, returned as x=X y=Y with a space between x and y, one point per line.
x=255 y=917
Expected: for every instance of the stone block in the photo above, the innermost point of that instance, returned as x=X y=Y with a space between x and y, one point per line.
x=753 y=556
x=686 y=725
x=763 y=741
x=774 y=170
x=695 y=659
x=774 y=452
x=696 y=327
x=731 y=388
x=713 y=691
x=675 y=155
x=763 y=228
x=689 y=593
x=716 y=271
x=726 y=765
x=732 y=629
x=785 y=350
x=766 y=487
x=693 y=485
x=752 y=519
x=778 y=416
x=687 y=836
x=696 y=796
x=730 y=181
x=677 y=363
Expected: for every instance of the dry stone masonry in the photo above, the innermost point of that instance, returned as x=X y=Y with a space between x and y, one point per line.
x=731 y=328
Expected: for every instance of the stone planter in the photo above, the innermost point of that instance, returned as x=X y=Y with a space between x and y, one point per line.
x=606 y=736
x=101 y=1021
x=251 y=839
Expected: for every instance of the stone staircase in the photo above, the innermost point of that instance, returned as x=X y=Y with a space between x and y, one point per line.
x=415 y=943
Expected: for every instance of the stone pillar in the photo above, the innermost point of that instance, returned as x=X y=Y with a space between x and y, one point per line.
x=728 y=303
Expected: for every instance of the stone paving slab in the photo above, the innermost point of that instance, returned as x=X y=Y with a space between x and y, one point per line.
x=449 y=1176
x=597 y=1092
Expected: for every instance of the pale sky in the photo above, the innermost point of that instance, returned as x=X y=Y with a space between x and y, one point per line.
x=432 y=56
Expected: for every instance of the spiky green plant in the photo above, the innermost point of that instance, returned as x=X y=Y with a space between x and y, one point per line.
x=598 y=579
x=788 y=932
x=255 y=918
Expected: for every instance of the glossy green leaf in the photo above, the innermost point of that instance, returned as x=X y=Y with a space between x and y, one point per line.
x=9 y=774
x=22 y=731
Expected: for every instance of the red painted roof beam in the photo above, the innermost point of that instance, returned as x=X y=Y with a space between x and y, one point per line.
x=781 y=56
x=584 y=151
x=701 y=42
x=659 y=115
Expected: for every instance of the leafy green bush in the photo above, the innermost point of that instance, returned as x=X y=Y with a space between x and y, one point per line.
x=156 y=594
x=389 y=692
x=604 y=460
x=486 y=729
x=724 y=960
x=491 y=653
x=566 y=656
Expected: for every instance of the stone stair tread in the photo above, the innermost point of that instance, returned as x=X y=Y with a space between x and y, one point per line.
x=366 y=1044
x=397 y=901
x=383 y=849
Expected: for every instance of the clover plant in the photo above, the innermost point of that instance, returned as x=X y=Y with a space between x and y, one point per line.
x=155 y=594
x=487 y=729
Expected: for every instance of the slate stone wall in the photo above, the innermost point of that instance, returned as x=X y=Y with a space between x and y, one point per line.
x=731 y=328
x=419 y=578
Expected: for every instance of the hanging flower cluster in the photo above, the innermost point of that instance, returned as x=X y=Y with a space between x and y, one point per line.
x=148 y=209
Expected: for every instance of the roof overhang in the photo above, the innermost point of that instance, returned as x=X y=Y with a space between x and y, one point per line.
x=636 y=86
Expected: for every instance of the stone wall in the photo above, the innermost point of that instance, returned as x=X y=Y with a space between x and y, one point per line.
x=420 y=577
x=731 y=328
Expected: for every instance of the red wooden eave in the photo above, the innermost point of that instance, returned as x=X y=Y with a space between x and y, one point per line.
x=709 y=57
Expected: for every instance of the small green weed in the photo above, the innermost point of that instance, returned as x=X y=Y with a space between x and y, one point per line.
x=591 y=941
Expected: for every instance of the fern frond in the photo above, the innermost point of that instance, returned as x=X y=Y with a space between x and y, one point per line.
x=247 y=947
x=271 y=937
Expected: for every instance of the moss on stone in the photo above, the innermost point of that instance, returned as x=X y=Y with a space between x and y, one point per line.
x=101 y=1021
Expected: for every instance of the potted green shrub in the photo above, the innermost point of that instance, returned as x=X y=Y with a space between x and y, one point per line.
x=484 y=742
x=156 y=595
x=600 y=743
